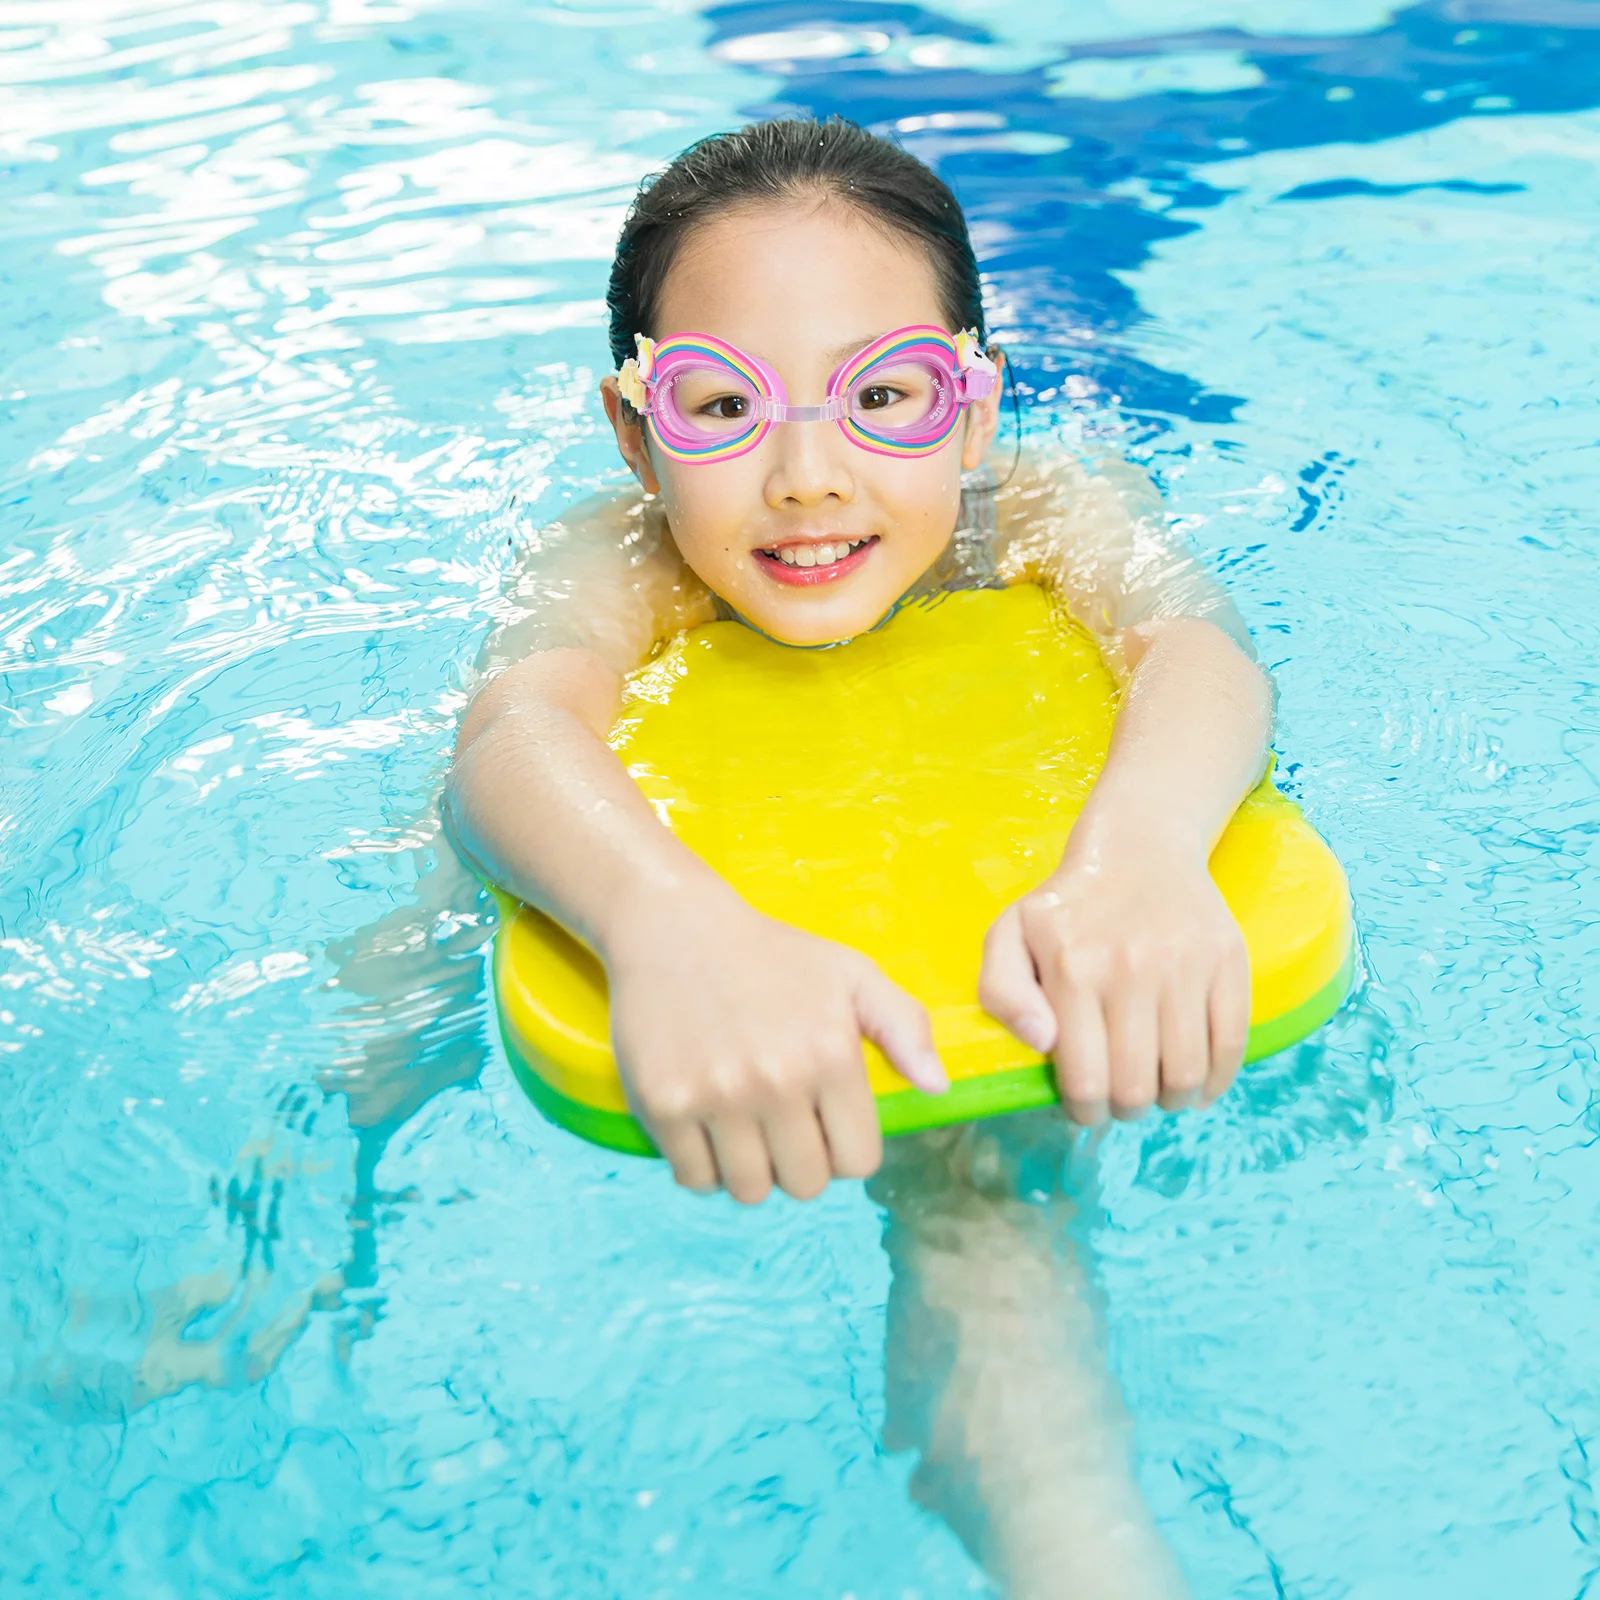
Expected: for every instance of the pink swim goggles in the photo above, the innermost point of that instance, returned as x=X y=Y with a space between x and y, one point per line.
x=901 y=396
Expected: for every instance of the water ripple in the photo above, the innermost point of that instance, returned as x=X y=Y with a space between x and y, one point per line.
x=307 y=314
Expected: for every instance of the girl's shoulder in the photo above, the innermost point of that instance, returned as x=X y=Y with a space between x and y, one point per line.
x=1055 y=479
x=604 y=576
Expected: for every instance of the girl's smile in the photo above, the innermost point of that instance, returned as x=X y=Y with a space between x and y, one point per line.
x=805 y=563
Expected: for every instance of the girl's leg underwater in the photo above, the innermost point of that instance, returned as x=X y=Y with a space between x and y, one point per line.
x=411 y=1020
x=994 y=1373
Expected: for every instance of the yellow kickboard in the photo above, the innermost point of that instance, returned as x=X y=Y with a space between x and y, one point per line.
x=896 y=793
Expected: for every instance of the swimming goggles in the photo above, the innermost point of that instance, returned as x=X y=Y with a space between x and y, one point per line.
x=900 y=396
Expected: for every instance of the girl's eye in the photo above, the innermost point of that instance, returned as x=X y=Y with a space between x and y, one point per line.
x=876 y=396
x=727 y=407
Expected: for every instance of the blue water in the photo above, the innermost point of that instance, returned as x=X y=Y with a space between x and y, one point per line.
x=302 y=324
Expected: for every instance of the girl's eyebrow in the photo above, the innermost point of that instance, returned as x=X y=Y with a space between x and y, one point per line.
x=835 y=356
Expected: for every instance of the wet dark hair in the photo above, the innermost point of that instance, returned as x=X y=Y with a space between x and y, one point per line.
x=772 y=162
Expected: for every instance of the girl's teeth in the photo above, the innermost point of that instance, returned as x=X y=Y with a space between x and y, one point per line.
x=818 y=555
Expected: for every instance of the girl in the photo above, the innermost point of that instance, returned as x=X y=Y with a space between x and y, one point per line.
x=796 y=254
x=739 y=1039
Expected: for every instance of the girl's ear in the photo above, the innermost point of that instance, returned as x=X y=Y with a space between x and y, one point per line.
x=625 y=423
x=983 y=417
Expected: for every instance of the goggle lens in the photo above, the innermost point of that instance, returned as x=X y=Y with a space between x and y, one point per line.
x=711 y=401
x=904 y=399
x=702 y=405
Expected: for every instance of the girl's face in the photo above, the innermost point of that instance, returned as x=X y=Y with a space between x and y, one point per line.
x=803 y=287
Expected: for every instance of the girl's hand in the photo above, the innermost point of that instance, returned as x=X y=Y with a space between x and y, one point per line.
x=739 y=1043
x=1127 y=966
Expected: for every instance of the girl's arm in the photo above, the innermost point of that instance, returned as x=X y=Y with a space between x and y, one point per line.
x=1126 y=964
x=738 y=1038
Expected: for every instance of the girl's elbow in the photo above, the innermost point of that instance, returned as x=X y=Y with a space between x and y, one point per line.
x=1208 y=646
x=483 y=710
x=1185 y=633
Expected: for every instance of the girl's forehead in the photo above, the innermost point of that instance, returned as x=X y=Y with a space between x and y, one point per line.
x=802 y=281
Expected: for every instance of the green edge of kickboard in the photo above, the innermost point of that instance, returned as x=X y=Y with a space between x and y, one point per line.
x=995 y=1094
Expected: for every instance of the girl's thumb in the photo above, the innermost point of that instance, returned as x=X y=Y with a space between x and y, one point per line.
x=898 y=1025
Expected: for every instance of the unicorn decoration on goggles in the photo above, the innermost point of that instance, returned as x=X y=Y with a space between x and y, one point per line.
x=900 y=396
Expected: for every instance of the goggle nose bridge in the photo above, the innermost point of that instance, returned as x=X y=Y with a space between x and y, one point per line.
x=834 y=409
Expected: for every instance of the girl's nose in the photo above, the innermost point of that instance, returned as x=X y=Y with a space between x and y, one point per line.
x=810 y=464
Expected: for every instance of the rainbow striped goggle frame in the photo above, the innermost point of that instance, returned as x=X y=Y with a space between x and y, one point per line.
x=901 y=396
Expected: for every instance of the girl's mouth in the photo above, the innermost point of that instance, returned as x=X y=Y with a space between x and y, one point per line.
x=810 y=564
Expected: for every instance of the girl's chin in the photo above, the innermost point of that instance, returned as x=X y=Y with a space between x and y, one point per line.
x=814 y=617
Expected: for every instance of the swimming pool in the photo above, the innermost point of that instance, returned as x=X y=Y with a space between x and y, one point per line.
x=300 y=1295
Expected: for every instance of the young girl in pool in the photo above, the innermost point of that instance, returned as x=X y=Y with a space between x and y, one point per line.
x=806 y=401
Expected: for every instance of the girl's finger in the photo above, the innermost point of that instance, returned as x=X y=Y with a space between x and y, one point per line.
x=798 y=1151
x=1083 y=1063
x=850 y=1124
x=1185 y=1046
x=898 y=1025
x=743 y=1164
x=1133 y=1043
x=688 y=1151
x=1008 y=985
x=1230 y=1023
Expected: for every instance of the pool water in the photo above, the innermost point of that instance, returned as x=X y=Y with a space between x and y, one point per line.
x=303 y=324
